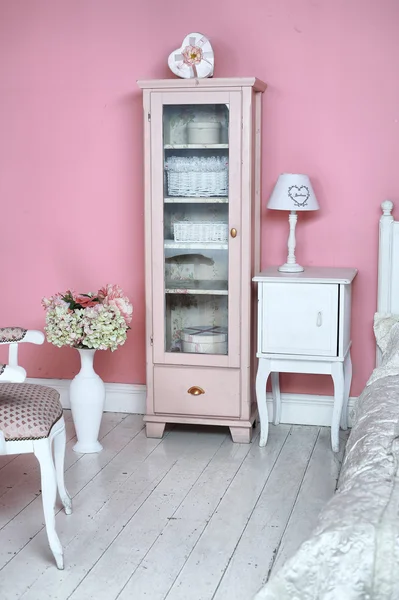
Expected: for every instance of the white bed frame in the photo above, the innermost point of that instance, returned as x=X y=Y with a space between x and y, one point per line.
x=388 y=264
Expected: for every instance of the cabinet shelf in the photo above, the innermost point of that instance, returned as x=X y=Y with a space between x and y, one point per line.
x=196 y=245
x=191 y=286
x=195 y=146
x=195 y=200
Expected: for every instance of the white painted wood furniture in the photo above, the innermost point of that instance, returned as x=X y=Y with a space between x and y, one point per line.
x=200 y=317
x=304 y=327
x=31 y=420
x=388 y=265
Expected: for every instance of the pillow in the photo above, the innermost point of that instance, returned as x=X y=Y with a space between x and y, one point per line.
x=383 y=324
x=386 y=330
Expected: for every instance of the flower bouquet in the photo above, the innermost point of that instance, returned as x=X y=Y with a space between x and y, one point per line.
x=95 y=320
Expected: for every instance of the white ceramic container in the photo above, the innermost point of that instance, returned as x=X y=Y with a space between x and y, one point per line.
x=203 y=133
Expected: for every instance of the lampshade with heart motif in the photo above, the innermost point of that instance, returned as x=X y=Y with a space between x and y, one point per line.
x=292 y=192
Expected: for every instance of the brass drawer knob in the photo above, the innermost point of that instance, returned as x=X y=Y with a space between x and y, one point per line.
x=195 y=391
x=233 y=232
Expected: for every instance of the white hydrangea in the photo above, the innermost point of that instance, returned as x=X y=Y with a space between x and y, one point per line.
x=101 y=327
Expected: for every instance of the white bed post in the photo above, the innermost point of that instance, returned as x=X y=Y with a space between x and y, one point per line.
x=385 y=262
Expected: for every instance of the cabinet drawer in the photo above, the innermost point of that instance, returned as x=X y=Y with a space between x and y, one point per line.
x=299 y=318
x=221 y=397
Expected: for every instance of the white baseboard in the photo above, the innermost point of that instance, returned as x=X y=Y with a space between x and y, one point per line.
x=307 y=409
x=119 y=397
x=298 y=409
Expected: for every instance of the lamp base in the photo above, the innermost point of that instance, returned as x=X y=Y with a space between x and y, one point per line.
x=293 y=268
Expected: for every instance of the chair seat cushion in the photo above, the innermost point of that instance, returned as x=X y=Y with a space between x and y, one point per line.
x=28 y=411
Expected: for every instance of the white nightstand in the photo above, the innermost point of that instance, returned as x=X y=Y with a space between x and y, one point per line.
x=304 y=327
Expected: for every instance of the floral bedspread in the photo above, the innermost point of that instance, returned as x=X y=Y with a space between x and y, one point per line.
x=353 y=554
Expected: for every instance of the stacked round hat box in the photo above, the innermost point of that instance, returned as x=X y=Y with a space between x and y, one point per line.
x=204 y=339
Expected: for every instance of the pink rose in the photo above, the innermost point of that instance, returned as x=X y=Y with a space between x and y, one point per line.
x=110 y=292
x=113 y=295
x=85 y=301
x=124 y=307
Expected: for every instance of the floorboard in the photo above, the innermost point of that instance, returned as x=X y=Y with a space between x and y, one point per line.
x=317 y=488
x=191 y=516
x=261 y=537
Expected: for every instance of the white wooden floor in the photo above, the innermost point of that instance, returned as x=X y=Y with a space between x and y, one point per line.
x=192 y=516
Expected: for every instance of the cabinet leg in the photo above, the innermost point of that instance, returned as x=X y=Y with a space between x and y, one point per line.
x=154 y=430
x=241 y=435
x=347 y=387
x=337 y=373
x=261 y=380
x=276 y=398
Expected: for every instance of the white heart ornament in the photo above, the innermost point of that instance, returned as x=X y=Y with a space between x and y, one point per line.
x=194 y=59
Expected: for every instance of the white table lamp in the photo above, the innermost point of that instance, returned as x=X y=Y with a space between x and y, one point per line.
x=293 y=193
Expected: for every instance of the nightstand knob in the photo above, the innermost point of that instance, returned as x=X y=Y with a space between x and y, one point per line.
x=319 y=321
x=195 y=391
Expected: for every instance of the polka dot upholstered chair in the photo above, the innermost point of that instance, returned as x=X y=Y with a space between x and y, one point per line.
x=31 y=419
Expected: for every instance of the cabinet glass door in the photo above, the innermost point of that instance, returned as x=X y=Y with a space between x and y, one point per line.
x=197 y=234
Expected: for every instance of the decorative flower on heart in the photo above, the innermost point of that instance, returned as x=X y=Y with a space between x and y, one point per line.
x=93 y=320
x=192 y=55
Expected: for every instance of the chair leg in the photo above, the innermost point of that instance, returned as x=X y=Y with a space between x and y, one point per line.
x=59 y=442
x=42 y=450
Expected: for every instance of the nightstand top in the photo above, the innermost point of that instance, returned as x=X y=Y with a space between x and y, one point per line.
x=309 y=275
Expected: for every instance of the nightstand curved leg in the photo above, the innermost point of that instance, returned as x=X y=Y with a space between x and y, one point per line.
x=337 y=373
x=276 y=398
x=347 y=387
x=261 y=380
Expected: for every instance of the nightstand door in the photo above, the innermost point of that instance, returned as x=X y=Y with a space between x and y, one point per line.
x=299 y=318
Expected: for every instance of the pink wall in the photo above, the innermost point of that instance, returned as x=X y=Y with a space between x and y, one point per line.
x=71 y=183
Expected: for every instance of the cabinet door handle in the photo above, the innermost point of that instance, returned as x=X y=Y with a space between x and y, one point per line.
x=195 y=391
x=319 y=321
x=233 y=232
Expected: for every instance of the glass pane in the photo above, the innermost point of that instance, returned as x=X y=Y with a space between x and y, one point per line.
x=196 y=175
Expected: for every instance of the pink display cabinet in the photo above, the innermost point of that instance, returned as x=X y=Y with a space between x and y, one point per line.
x=202 y=143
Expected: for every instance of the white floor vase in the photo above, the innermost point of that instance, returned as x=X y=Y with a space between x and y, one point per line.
x=87 y=397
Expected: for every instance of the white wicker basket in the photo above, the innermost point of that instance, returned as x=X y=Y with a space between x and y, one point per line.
x=197 y=176
x=185 y=231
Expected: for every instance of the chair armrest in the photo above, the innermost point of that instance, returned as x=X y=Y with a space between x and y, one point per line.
x=33 y=336
x=12 y=374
